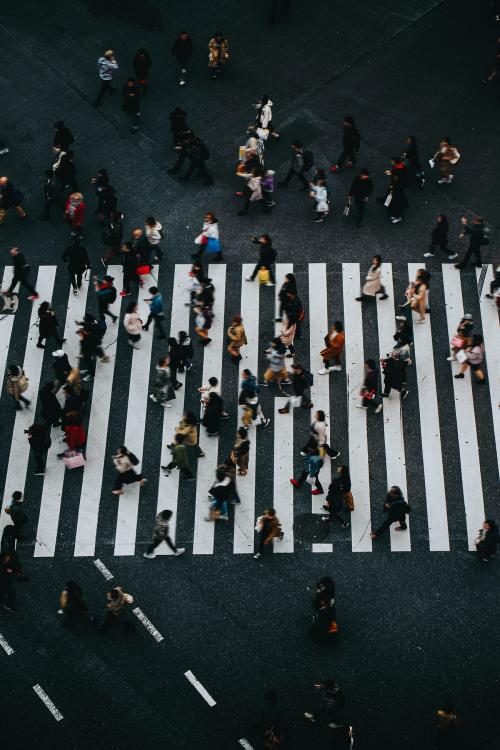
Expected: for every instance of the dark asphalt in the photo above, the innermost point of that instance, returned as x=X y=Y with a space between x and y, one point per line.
x=415 y=629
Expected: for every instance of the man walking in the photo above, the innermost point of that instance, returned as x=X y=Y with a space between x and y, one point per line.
x=267 y=258
x=477 y=237
x=10 y=198
x=156 y=314
x=106 y=65
x=301 y=383
x=160 y=534
x=182 y=49
x=360 y=191
x=40 y=442
x=17 y=513
x=299 y=166
x=21 y=271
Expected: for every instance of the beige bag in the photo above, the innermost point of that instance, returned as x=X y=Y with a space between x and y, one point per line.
x=128 y=598
x=22 y=383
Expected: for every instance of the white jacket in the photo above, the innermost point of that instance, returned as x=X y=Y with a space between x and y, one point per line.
x=210 y=230
x=132 y=323
x=266 y=115
x=153 y=233
x=319 y=430
x=320 y=195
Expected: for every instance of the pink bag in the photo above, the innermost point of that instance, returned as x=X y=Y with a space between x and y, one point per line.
x=457 y=342
x=74 y=459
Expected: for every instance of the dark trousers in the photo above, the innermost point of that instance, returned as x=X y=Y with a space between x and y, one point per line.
x=103 y=311
x=202 y=170
x=300 y=175
x=472 y=250
x=157 y=540
x=360 y=208
x=105 y=86
x=127 y=477
x=442 y=244
x=255 y=271
x=388 y=387
x=20 y=398
x=22 y=279
x=128 y=279
x=113 y=620
x=495 y=284
x=157 y=319
x=346 y=152
x=53 y=335
x=401 y=519
x=75 y=278
x=302 y=479
x=40 y=460
x=185 y=473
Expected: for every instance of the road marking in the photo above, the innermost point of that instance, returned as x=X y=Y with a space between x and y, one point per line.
x=32 y=366
x=392 y=413
x=430 y=431
x=199 y=687
x=138 y=399
x=88 y=510
x=168 y=487
x=6 y=647
x=491 y=334
x=50 y=504
x=6 y=323
x=320 y=390
x=283 y=471
x=108 y=575
x=358 y=443
x=147 y=624
x=244 y=512
x=203 y=542
x=465 y=416
x=245 y=744
x=48 y=703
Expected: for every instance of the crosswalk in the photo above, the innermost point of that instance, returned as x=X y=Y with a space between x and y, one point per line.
x=270 y=469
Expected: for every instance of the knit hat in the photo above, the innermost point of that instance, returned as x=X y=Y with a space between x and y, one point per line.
x=58 y=353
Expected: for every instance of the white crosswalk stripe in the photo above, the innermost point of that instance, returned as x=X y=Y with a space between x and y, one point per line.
x=96 y=503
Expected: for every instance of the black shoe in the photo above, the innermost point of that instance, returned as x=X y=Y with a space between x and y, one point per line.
x=384 y=296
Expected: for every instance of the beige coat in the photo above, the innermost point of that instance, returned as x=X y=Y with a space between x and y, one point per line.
x=237 y=336
x=189 y=431
x=373 y=282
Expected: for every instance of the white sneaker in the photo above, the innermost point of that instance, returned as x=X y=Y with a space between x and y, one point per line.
x=309 y=716
x=400 y=317
x=269 y=283
x=396 y=220
x=379 y=408
x=428 y=255
x=179 y=551
x=149 y=555
x=324 y=371
x=453 y=256
x=360 y=406
x=248 y=278
x=256 y=556
x=451 y=358
x=153 y=398
x=223 y=518
x=335 y=368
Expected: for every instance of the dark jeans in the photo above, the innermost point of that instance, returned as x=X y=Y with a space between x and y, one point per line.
x=360 y=207
x=75 y=278
x=103 y=310
x=21 y=398
x=40 y=460
x=157 y=540
x=300 y=175
x=255 y=271
x=202 y=170
x=22 y=279
x=128 y=279
x=105 y=86
x=158 y=323
x=346 y=152
x=388 y=387
x=471 y=250
x=442 y=244
x=55 y=336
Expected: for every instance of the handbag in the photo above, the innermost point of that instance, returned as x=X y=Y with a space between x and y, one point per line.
x=457 y=341
x=369 y=395
x=259 y=524
x=74 y=459
x=388 y=200
x=202 y=239
x=264 y=275
x=461 y=356
x=347 y=209
x=349 y=500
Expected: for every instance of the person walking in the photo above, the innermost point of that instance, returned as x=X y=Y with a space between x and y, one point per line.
x=116 y=601
x=494 y=284
x=373 y=283
x=462 y=337
x=472 y=356
x=47 y=326
x=334 y=346
x=395 y=510
x=17 y=514
x=133 y=325
x=154 y=235
x=478 y=236
x=187 y=427
x=131 y=105
x=249 y=397
x=319 y=431
x=301 y=164
x=439 y=237
x=287 y=335
x=267 y=258
x=7 y=591
x=160 y=534
x=212 y=416
x=351 y=142
x=264 y=118
x=130 y=264
x=339 y=497
x=203 y=323
x=276 y=370
x=17 y=384
x=289 y=285
x=411 y=158
x=487 y=540
x=241 y=451
x=20 y=276
x=319 y=194
x=176 y=354
x=301 y=384
x=63 y=136
x=252 y=192
x=268 y=528
x=237 y=338
x=77 y=258
x=163 y=391
x=50 y=195
x=61 y=367
x=180 y=459
x=446 y=158
x=112 y=237
x=106 y=295
x=50 y=408
x=40 y=442
x=417 y=295
x=72 y=606
x=368 y=391
x=313 y=462
x=359 y=192
x=395 y=201
x=218 y=54
x=208 y=239
x=106 y=65
x=182 y=50
x=124 y=462
x=75 y=213
x=394 y=374
x=156 y=313
x=10 y=197
x=141 y=65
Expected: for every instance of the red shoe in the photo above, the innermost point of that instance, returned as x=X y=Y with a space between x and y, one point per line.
x=124 y=293
x=334 y=168
x=33 y=297
x=239 y=193
x=317 y=492
x=294 y=482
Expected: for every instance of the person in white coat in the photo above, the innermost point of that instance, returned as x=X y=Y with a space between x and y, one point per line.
x=373 y=282
x=133 y=325
x=154 y=235
x=319 y=431
x=264 y=119
x=253 y=191
x=320 y=195
x=208 y=240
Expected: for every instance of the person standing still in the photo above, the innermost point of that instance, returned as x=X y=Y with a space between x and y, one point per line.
x=106 y=65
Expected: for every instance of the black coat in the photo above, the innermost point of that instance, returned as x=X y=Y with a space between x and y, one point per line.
x=20 y=265
x=40 y=440
x=141 y=65
x=131 y=99
x=9 y=196
x=129 y=262
x=299 y=383
x=47 y=324
x=50 y=409
x=351 y=138
x=213 y=413
x=61 y=367
x=64 y=138
x=395 y=373
x=398 y=201
x=267 y=253
x=77 y=258
x=361 y=189
x=371 y=380
x=182 y=49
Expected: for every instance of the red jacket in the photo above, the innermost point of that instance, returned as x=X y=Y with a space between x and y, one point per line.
x=78 y=216
x=75 y=436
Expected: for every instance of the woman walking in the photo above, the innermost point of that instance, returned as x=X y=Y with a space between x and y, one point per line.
x=334 y=346
x=187 y=428
x=287 y=336
x=241 y=451
x=462 y=337
x=237 y=338
x=213 y=414
x=373 y=283
x=47 y=326
x=319 y=193
x=319 y=431
x=17 y=384
x=289 y=286
x=417 y=295
x=487 y=540
x=351 y=141
x=472 y=356
x=75 y=213
x=203 y=323
x=208 y=240
x=154 y=235
x=124 y=461
x=395 y=511
x=395 y=201
x=252 y=192
x=368 y=391
x=160 y=534
x=163 y=391
x=133 y=325
x=268 y=528
x=339 y=497
x=264 y=119
x=186 y=351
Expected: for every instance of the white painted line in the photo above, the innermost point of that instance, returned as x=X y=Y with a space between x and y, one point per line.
x=244 y=512
x=464 y=411
x=198 y=686
x=147 y=624
x=320 y=390
x=168 y=487
x=491 y=335
x=108 y=575
x=392 y=414
x=90 y=497
x=430 y=431
x=322 y=547
x=6 y=324
x=283 y=472
x=45 y=699
x=245 y=744
x=6 y=647
x=32 y=366
x=50 y=504
x=138 y=400
x=203 y=542
x=358 y=443
x=281 y=270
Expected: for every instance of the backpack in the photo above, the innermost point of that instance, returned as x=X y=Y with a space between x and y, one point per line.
x=112 y=294
x=309 y=378
x=308 y=160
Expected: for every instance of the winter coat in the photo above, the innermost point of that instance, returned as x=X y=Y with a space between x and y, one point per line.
x=186 y=350
x=218 y=52
x=361 y=189
x=182 y=49
x=64 y=138
x=47 y=324
x=17 y=383
x=132 y=323
x=237 y=336
x=156 y=304
x=213 y=413
x=141 y=65
x=267 y=253
x=77 y=258
x=129 y=263
x=38 y=438
x=394 y=373
x=189 y=431
x=398 y=201
x=319 y=431
x=75 y=436
x=75 y=220
x=106 y=68
x=350 y=138
x=373 y=282
x=299 y=383
x=370 y=382
x=265 y=115
x=334 y=343
x=276 y=360
x=50 y=408
x=61 y=367
x=131 y=99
